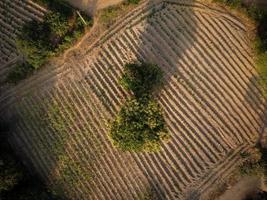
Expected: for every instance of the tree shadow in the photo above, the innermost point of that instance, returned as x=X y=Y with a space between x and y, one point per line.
x=150 y=34
x=167 y=33
x=255 y=96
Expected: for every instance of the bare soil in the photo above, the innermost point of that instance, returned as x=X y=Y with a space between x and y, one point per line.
x=246 y=186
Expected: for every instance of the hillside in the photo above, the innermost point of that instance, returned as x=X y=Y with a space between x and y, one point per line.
x=212 y=104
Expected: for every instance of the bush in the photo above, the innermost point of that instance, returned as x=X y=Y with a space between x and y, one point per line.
x=133 y=1
x=16 y=183
x=253 y=163
x=10 y=173
x=140 y=126
x=20 y=71
x=39 y=41
x=142 y=78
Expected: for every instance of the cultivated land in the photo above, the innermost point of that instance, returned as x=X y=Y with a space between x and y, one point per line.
x=13 y=14
x=212 y=104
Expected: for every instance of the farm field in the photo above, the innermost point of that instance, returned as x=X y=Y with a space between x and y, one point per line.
x=212 y=104
x=13 y=15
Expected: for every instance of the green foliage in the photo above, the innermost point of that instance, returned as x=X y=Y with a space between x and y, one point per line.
x=133 y=1
x=66 y=171
x=253 y=163
x=15 y=181
x=231 y=3
x=31 y=190
x=10 y=172
x=250 y=168
x=140 y=126
x=57 y=24
x=20 y=71
x=149 y=194
x=39 y=41
x=109 y=15
x=141 y=79
x=57 y=5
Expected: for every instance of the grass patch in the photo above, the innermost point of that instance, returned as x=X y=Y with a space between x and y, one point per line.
x=40 y=40
x=140 y=124
x=53 y=145
x=253 y=163
x=259 y=15
x=20 y=71
x=109 y=15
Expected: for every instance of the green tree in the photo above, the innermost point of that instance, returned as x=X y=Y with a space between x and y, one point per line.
x=139 y=126
x=10 y=172
x=142 y=79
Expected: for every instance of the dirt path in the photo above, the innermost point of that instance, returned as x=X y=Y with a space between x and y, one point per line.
x=210 y=99
x=245 y=186
x=82 y=40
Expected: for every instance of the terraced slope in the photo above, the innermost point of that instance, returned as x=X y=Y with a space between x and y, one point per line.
x=13 y=14
x=212 y=104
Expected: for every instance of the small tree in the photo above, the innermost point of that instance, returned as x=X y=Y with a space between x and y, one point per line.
x=142 y=79
x=10 y=173
x=140 y=125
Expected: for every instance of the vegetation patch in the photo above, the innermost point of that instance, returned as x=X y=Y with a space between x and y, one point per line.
x=142 y=79
x=66 y=170
x=40 y=40
x=16 y=182
x=109 y=15
x=140 y=124
x=253 y=163
x=259 y=15
x=10 y=172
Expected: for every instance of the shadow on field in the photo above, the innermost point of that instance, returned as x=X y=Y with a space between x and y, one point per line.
x=47 y=124
x=58 y=127
x=255 y=97
x=164 y=38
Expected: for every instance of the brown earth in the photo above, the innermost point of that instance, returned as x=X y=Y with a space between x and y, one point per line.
x=212 y=104
x=246 y=186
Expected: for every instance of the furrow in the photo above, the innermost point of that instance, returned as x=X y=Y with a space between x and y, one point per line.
x=216 y=82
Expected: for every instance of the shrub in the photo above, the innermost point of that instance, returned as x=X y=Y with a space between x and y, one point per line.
x=10 y=173
x=139 y=126
x=66 y=171
x=39 y=41
x=16 y=183
x=20 y=71
x=133 y=1
x=253 y=163
x=108 y=16
x=142 y=78
x=57 y=24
